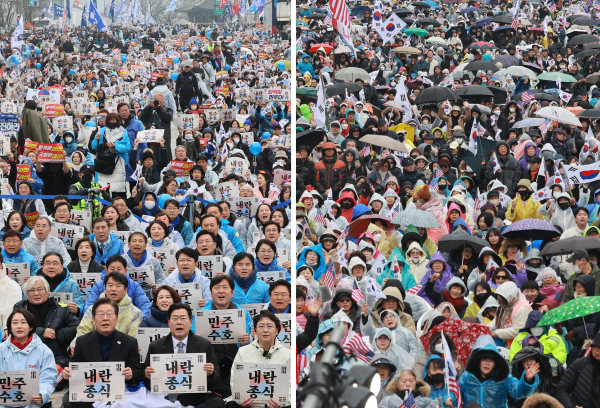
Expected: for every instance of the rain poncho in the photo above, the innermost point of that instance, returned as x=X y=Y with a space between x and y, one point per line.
x=419 y=268
x=399 y=335
x=560 y=217
x=439 y=284
x=407 y=279
x=396 y=354
x=511 y=318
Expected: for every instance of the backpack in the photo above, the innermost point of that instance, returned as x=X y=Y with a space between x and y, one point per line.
x=106 y=157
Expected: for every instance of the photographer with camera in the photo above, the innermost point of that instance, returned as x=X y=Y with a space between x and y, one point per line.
x=157 y=116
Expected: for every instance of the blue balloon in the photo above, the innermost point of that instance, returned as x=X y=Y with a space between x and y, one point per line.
x=174 y=76
x=227 y=67
x=281 y=66
x=255 y=148
x=197 y=42
x=124 y=58
x=72 y=72
x=15 y=59
x=37 y=50
x=182 y=48
x=38 y=65
x=239 y=45
x=176 y=60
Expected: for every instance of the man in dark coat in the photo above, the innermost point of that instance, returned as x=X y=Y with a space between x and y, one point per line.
x=580 y=384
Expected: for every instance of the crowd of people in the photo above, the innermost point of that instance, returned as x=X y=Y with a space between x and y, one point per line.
x=447 y=199
x=144 y=148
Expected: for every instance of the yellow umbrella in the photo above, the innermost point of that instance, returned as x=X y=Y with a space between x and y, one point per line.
x=288 y=64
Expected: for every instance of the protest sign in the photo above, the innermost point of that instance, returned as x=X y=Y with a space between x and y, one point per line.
x=181 y=373
x=17 y=387
x=146 y=335
x=245 y=205
x=166 y=257
x=210 y=265
x=62 y=297
x=86 y=108
x=86 y=281
x=62 y=123
x=82 y=217
x=18 y=271
x=285 y=335
x=70 y=234
x=182 y=168
x=4 y=146
x=32 y=218
x=144 y=275
x=189 y=121
x=261 y=382
x=23 y=172
x=97 y=381
x=270 y=276
x=123 y=236
x=236 y=165
x=277 y=95
x=280 y=177
x=227 y=190
x=191 y=293
x=150 y=136
x=51 y=153
x=8 y=107
x=221 y=326
x=53 y=110
x=9 y=122
x=247 y=137
x=254 y=308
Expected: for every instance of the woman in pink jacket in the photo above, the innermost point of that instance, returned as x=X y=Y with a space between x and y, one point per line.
x=265 y=189
x=426 y=201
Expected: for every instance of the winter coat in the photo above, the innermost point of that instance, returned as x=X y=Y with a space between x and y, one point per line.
x=115 y=247
x=150 y=260
x=68 y=285
x=22 y=256
x=137 y=296
x=329 y=174
x=435 y=207
x=439 y=284
x=10 y=293
x=418 y=269
x=258 y=292
x=63 y=322
x=438 y=296
x=156 y=318
x=511 y=171
x=578 y=385
x=175 y=278
x=120 y=138
x=374 y=319
x=38 y=249
x=569 y=287
x=35 y=356
x=519 y=313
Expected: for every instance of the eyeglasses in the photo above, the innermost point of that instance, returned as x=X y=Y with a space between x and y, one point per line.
x=179 y=318
x=12 y=241
x=52 y=263
x=63 y=211
x=205 y=242
x=107 y=314
x=265 y=327
x=266 y=252
x=503 y=277
x=36 y=290
x=280 y=295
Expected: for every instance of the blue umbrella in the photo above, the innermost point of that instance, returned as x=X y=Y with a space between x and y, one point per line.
x=433 y=4
x=483 y=21
x=360 y=11
x=469 y=9
x=506 y=27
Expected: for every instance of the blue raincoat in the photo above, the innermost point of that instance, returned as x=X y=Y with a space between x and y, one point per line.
x=319 y=270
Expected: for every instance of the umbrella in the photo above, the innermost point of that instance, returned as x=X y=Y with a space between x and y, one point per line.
x=463 y=334
x=590 y=114
x=287 y=63
x=436 y=94
x=359 y=11
x=407 y=50
x=307 y=91
x=503 y=19
x=424 y=22
x=384 y=141
x=310 y=138
x=475 y=90
x=316 y=16
x=552 y=76
x=531 y=122
x=584 y=21
x=539 y=95
x=507 y=27
x=351 y=74
x=340 y=89
x=469 y=10
x=418 y=31
x=531 y=229
x=483 y=21
x=481 y=65
x=482 y=45
x=578 y=307
x=401 y=11
x=328 y=48
x=507 y=61
x=568 y=245
x=576 y=16
x=418 y=218
x=421 y=4
x=450 y=242
x=582 y=39
x=588 y=53
x=372 y=217
x=500 y=95
x=342 y=50
x=559 y=114
x=593 y=78
x=358 y=226
x=438 y=40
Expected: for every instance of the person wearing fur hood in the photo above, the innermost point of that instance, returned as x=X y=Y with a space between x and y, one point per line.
x=404 y=383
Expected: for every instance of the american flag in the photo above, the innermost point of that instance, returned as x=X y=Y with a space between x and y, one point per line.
x=366 y=151
x=330 y=275
x=319 y=217
x=414 y=290
x=438 y=172
x=552 y=7
x=450 y=371
x=409 y=402
x=433 y=185
x=477 y=202
x=304 y=224
x=596 y=6
x=357 y=295
x=343 y=235
x=339 y=13
x=394 y=211
x=301 y=363
x=327 y=20
x=356 y=345
x=514 y=23
x=544 y=126
x=528 y=96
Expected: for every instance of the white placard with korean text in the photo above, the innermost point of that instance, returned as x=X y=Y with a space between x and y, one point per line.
x=17 y=387
x=146 y=335
x=191 y=293
x=261 y=382
x=181 y=373
x=97 y=381
x=221 y=326
x=86 y=281
x=18 y=271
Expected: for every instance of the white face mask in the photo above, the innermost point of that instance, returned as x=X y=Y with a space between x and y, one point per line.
x=150 y=204
x=494 y=201
x=415 y=260
x=513 y=110
x=230 y=145
x=282 y=162
x=236 y=140
x=537 y=331
x=426 y=121
x=189 y=136
x=439 y=348
x=68 y=139
x=576 y=268
x=344 y=126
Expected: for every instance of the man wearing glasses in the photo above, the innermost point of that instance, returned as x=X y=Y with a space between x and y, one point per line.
x=107 y=342
x=180 y=340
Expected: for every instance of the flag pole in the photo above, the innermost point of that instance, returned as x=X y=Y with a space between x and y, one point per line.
x=445 y=366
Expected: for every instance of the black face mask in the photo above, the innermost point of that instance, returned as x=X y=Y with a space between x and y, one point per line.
x=534 y=264
x=87 y=178
x=437 y=378
x=481 y=298
x=564 y=205
x=111 y=125
x=346 y=206
x=298 y=162
x=525 y=195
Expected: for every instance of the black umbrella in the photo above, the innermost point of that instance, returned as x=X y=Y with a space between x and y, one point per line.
x=340 y=89
x=424 y=22
x=481 y=65
x=582 y=39
x=569 y=245
x=500 y=95
x=316 y=16
x=436 y=94
x=458 y=239
x=588 y=53
x=539 y=95
x=590 y=114
x=421 y=4
x=310 y=138
x=475 y=90
x=503 y=19
x=584 y=21
x=507 y=60
x=401 y=11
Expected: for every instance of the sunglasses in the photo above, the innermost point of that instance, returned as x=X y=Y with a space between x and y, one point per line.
x=503 y=277
x=345 y=300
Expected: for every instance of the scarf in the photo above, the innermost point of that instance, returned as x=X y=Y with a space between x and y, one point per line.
x=139 y=263
x=246 y=282
x=55 y=281
x=21 y=346
x=174 y=224
x=457 y=303
x=273 y=266
x=503 y=314
x=40 y=312
x=158 y=244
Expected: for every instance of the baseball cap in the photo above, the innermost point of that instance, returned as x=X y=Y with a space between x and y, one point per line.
x=577 y=255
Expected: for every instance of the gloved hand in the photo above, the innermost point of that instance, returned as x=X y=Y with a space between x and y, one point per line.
x=94 y=190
